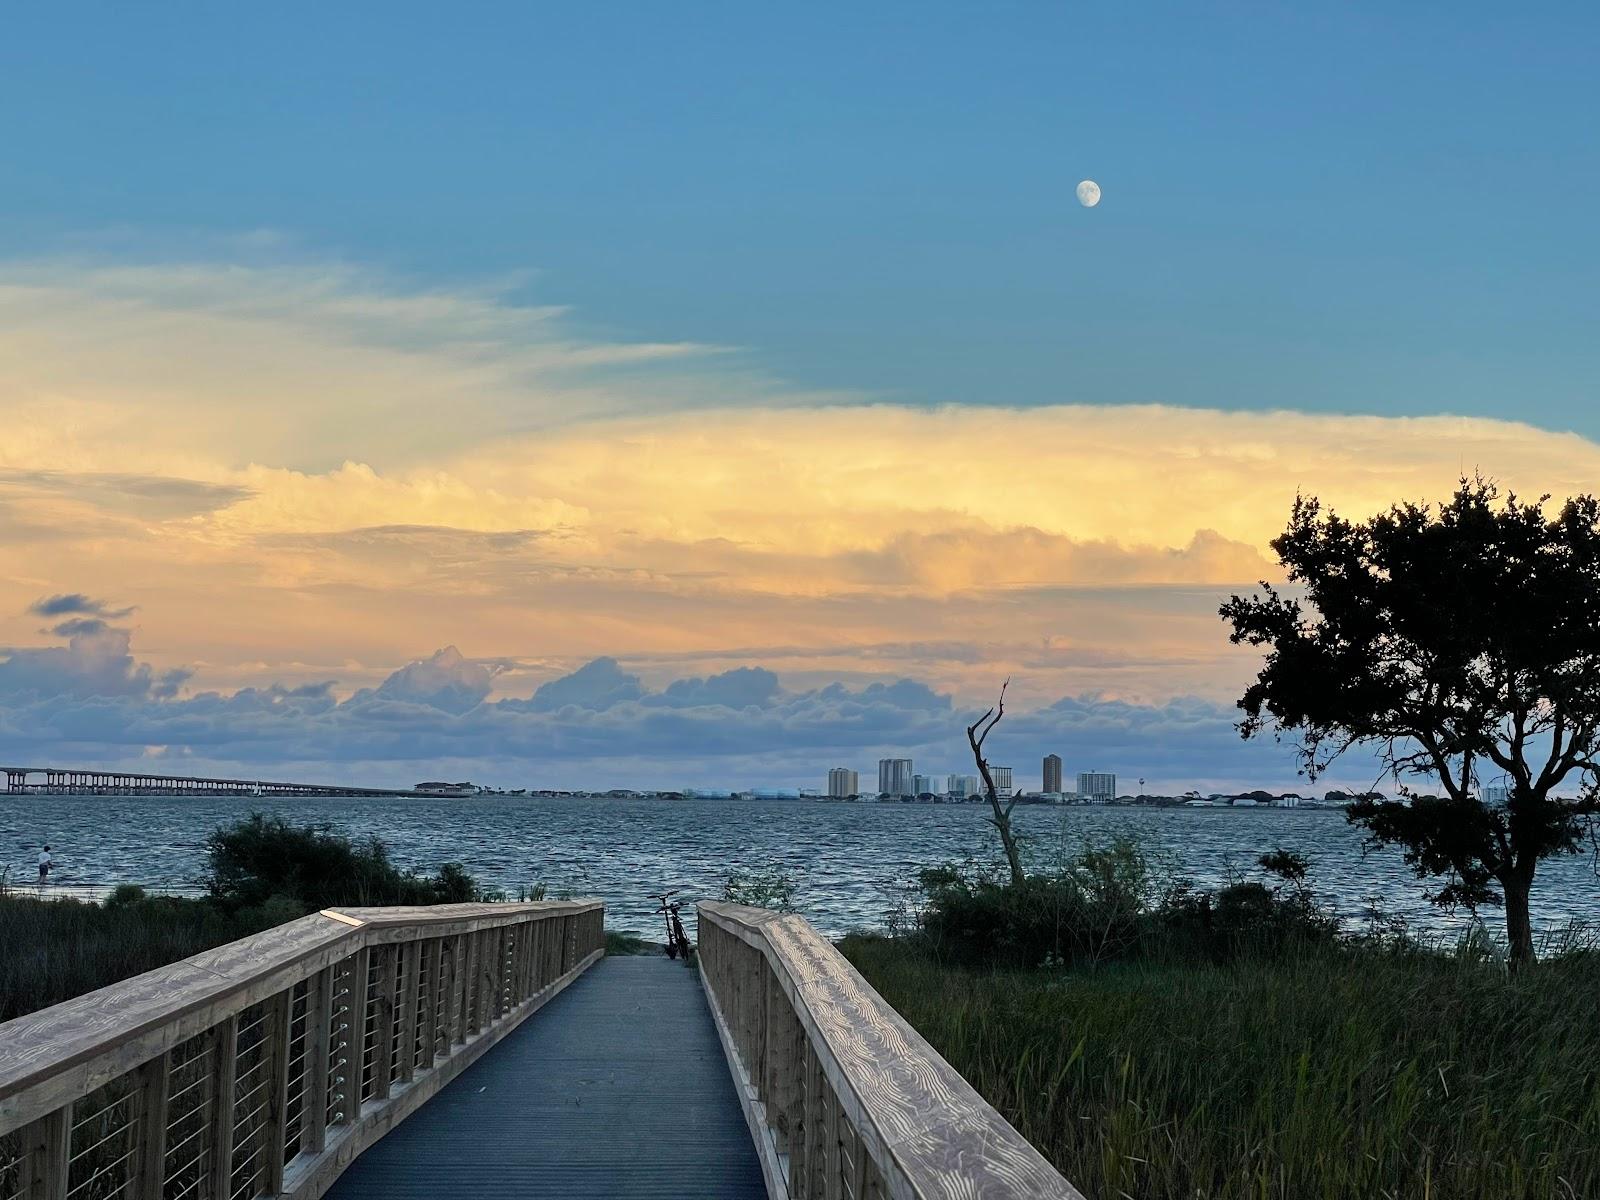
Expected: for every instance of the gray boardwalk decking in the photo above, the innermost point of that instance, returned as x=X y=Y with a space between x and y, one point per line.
x=616 y=1089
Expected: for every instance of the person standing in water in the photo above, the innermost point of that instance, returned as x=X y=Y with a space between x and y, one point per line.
x=44 y=865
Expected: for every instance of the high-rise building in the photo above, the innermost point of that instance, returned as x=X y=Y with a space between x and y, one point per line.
x=929 y=784
x=1096 y=787
x=895 y=777
x=1052 y=773
x=843 y=782
x=963 y=786
x=1002 y=780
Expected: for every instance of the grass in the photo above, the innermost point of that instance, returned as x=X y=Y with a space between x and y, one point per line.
x=54 y=950
x=57 y=949
x=625 y=942
x=1329 y=1072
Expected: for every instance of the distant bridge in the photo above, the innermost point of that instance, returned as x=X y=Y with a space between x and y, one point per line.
x=57 y=781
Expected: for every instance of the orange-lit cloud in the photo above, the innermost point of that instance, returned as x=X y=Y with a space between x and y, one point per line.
x=299 y=472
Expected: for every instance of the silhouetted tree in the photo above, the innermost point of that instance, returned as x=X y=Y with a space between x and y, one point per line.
x=1460 y=644
x=1000 y=815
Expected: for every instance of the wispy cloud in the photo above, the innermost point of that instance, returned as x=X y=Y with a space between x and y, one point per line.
x=75 y=603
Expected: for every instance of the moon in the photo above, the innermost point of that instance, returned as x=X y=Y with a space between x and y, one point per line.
x=1088 y=193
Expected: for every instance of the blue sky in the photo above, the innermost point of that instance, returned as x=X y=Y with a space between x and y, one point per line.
x=1358 y=208
x=344 y=347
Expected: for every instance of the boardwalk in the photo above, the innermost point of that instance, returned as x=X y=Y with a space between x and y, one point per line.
x=617 y=1089
x=492 y=1050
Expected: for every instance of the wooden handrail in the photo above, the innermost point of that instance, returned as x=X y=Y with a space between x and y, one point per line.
x=264 y=1067
x=843 y=1097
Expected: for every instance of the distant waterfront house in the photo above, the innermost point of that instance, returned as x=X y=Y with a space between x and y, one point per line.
x=436 y=788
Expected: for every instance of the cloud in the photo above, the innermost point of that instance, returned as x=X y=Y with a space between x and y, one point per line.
x=94 y=664
x=79 y=625
x=301 y=471
x=75 y=602
x=598 y=726
x=743 y=687
x=446 y=681
x=595 y=687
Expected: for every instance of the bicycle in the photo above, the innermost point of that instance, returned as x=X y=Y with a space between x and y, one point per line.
x=677 y=939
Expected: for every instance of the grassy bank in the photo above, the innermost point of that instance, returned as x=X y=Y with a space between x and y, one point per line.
x=1332 y=1071
x=57 y=949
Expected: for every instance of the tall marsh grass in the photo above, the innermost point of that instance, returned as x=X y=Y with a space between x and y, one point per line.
x=53 y=950
x=1321 y=1072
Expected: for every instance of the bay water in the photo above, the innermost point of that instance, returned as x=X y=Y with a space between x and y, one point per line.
x=847 y=861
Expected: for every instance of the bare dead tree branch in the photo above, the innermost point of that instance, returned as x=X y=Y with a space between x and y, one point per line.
x=977 y=733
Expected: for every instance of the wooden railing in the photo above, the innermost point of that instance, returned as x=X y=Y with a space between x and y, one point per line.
x=843 y=1097
x=263 y=1068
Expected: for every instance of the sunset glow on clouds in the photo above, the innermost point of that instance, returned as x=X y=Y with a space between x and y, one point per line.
x=303 y=478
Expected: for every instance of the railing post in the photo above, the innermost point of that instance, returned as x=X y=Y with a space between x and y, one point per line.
x=151 y=1083
x=355 y=1037
x=525 y=975
x=495 y=975
x=487 y=977
x=434 y=958
x=541 y=942
x=276 y=1031
x=409 y=955
x=784 y=1043
x=833 y=1180
x=46 y=1148
x=225 y=1067
x=458 y=990
x=319 y=1050
x=383 y=961
x=470 y=987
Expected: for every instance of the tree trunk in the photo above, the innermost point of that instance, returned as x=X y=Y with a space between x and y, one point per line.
x=1519 y=924
x=977 y=733
x=1002 y=821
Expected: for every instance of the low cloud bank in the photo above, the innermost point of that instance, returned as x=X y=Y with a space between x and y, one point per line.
x=89 y=701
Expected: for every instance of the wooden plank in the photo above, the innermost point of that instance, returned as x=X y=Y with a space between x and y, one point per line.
x=151 y=1083
x=225 y=1068
x=433 y=968
x=494 y=975
x=319 y=1034
x=811 y=1123
x=458 y=992
x=524 y=961
x=779 y=1055
x=488 y=976
x=275 y=1031
x=355 y=1067
x=469 y=996
x=407 y=956
x=46 y=1147
x=383 y=1023
x=835 y=1131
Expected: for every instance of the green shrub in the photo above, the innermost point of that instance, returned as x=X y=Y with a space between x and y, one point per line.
x=259 y=858
x=1105 y=904
x=772 y=889
x=1092 y=908
x=124 y=894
